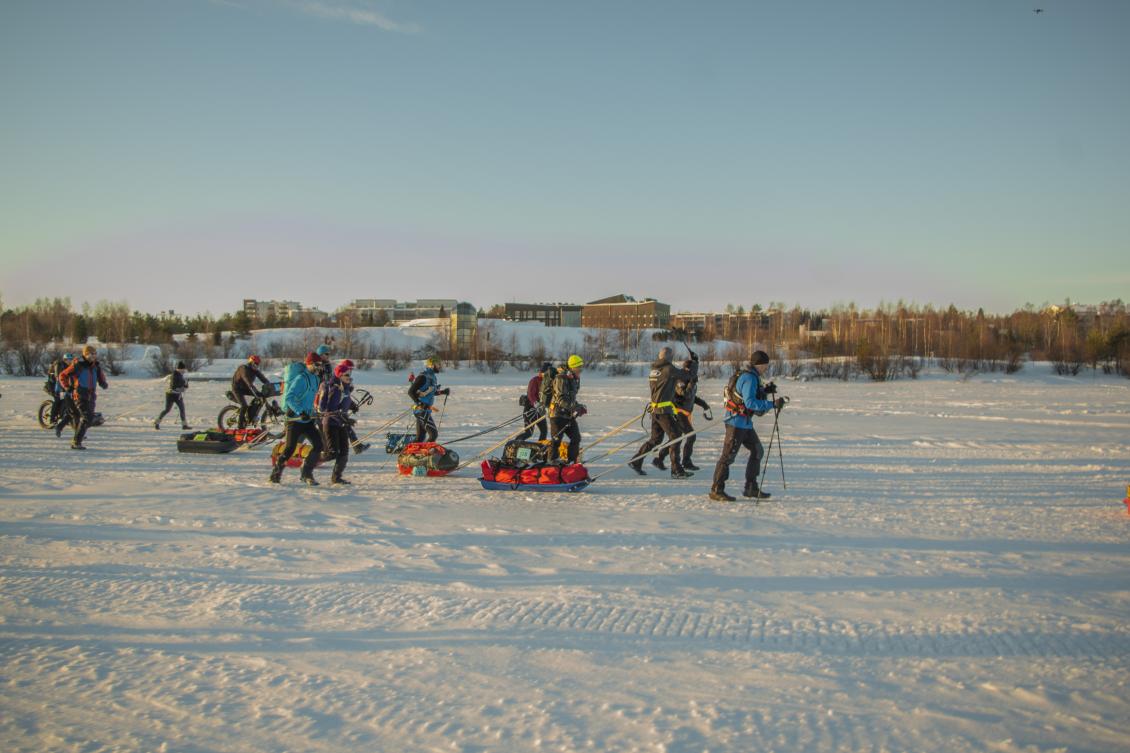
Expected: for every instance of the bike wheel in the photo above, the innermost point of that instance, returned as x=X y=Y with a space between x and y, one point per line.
x=45 y=414
x=228 y=418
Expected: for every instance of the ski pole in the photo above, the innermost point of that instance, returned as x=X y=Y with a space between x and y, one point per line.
x=776 y=431
x=643 y=455
x=383 y=426
x=780 y=455
x=439 y=422
x=614 y=432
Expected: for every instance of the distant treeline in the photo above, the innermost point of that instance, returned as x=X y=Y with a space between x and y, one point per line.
x=886 y=342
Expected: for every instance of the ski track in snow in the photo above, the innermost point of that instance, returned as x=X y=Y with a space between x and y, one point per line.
x=948 y=570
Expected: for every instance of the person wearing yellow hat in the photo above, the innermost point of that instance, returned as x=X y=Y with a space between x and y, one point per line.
x=564 y=409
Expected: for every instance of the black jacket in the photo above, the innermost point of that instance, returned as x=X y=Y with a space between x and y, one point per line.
x=243 y=381
x=662 y=380
x=177 y=383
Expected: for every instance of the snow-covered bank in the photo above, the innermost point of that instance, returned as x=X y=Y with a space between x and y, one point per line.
x=946 y=571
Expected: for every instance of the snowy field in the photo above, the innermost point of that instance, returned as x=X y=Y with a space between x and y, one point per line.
x=949 y=570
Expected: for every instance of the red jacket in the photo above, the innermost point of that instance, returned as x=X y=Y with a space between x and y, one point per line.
x=533 y=389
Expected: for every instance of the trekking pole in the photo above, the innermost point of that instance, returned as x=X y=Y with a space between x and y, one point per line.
x=383 y=426
x=439 y=422
x=780 y=455
x=614 y=432
x=768 y=452
x=643 y=455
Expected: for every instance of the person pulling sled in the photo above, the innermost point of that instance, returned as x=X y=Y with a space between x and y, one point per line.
x=298 y=399
x=686 y=398
x=174 y=395
x=535 y=401
x=564 y=410
x=662 y=380
x=423 y=393
x=334 y=404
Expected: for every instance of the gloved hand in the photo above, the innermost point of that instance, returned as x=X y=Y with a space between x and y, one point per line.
x=445 y=391
x=581 y=410
x=771 y=388
x=303 y=416
x=708 y=414
x=780 y=403
x=694 y=356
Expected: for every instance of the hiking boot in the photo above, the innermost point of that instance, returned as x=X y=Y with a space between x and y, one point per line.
x=638 y=468
x=336 y=481
x=658 y=463
x=186 y=427
x=689 y=466
x=680 y=474
x=58 y=430
x=77 y=446
x=720 y=495
x=157 y=425
x=360 y=447
x=753 y=492
x=310 y=481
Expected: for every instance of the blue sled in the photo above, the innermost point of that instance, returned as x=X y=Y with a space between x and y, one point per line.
x=497 y=486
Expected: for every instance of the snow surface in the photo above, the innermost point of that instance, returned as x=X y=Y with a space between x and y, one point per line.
x=948 y=570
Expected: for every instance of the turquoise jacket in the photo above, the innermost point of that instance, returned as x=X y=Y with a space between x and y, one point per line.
x=301 y=387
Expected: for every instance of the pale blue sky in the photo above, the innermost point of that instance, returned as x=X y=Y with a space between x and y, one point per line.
x=185 y=154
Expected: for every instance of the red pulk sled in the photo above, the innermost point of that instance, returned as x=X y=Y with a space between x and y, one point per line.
x=246 y=436
x=548 y=478
x=426 y=459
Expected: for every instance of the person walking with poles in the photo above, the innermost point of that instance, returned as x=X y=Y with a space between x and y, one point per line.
x=83 y=378
x=564 y=410
x=745 y=397
x=662 y=380
x=174 y=395
x=686 y=398
x=243 y=387
x=334 y=404
x=298 y=398
x=423 y=393
x=532 y=408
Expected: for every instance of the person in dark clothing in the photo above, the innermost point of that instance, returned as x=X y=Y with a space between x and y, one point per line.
x=298 y=398
x=60 y=412
x=748 y=399
x=334 y=404
x=686 y=398
x=531 y=403
x=174 y=395
x=423 y=393
x=243 y=387
x=82 y=379
x=564 y=410
x=662 y=380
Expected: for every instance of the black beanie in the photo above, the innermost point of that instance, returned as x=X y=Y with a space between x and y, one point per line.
x=759 y=357
x=180 y=365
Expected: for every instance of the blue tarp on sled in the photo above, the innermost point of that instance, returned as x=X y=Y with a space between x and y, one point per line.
x=497 y=486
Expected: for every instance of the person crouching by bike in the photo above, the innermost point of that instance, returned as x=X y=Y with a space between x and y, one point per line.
x=174 y=395
x=298 y=399
x=334 y=404
x=423 y=393
x=60 y=405
x=564 y=410
x=243 y=387
x=745 y=399
x=83 y=378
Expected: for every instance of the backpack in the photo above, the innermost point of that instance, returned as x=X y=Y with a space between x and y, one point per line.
x=732 y=399
x=545 y=391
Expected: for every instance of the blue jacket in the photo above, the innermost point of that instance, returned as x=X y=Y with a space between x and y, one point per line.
x=423 y=390
x=301 y=387
x=748 y=386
